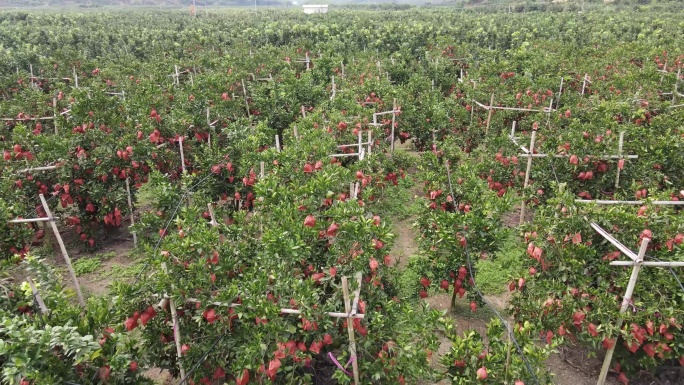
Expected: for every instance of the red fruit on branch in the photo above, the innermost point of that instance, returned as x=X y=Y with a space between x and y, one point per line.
x=133 y=366
x=473 y=306
x=309 y=221
x=444 y=285
x=185 y=349
x=373 y=264
x=482 y=374
x=423 y=294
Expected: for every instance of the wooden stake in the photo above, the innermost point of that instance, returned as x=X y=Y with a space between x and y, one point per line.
x=182 y=155
x=36 y=295
x=261 y=173
x=81 y=301
x=54 y=111
x=342 y=63
x=360 y=141
x=560 y=92
x=584 y=84
x=244 y=92
x=617 y=177
x=303 y=110
x=350 y=330
x=296 y=134
x=527 y=175
x=130 y=208
x=626 y=300
x=75 y=77
x=277 y=140
x=394 y=119
x=176 y=329
x=370 y=142
x=489 y=116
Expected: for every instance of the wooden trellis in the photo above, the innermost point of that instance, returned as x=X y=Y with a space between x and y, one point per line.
x=51 y=219
x=529 y=154
x=637 y=262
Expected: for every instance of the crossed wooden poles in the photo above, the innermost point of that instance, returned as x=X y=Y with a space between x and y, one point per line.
x=637 y=262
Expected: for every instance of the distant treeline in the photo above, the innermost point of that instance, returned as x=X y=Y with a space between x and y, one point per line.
x=482 y=5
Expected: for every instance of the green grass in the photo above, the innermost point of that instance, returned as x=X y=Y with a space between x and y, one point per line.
x=123 y=272
x=86 y=265
x=494 y=273
x=398 y=202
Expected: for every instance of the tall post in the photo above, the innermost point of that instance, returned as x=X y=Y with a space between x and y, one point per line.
x=350 y=330
x=626 y=300
x=676 y=88
x=244 y=92
x=75 y=76
x=617 y=177
x=262 y=170
x=394 y=120
x=55 y=114
x=81 y=301
x=370 y=142
x=560 y=92
x=584 y=84
x=182 y=155
x=277 y=141
x=130 y=208
x=489 y=116
x=36 y=295
x=360 y=140
x=527 y=174
x=176 y=329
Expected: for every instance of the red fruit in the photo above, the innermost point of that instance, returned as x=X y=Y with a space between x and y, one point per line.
x=459 y=363
x=473 y=306
x=273 y=367
x=577 y=319
x=378 y=244
x=6 y=155
x=373 y=264
x=210 y=315
x=592 y=330
x=533 y=270
x=308 y=168
x=423 y=294
x=104 y=372
x=332 y=271
x=425 y=282
x=359 y=175
x=519 y=382
x=244 y=378
x=649 y=350
x=567 y=113
x=623 y=378
x=17 y=148
x=444 y=285
x=133 y=366
x=91 y=242
x=310 y=221
x=482 y=373
x=332 y=230
x=608 y=343
x=574 y=160
x=327 y=339
x=376 y=220
x=185 y=349
x=521 y=283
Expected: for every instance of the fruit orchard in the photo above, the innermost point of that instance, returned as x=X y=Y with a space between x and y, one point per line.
x=255 y=156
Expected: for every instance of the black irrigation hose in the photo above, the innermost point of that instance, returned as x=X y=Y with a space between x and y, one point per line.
x=204 y=358
x=479 y=293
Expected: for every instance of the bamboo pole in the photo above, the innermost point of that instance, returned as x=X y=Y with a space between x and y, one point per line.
x=36 y=295
x=65 y=254
x=244 y=92
x=626 y=300
x=620 y=143
x=394 y=119
x=489 y=115
x=176 y=329
x=55 y=114
x=182 y=155
x=527 y=176
x=350 y=330
x=130 y=208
